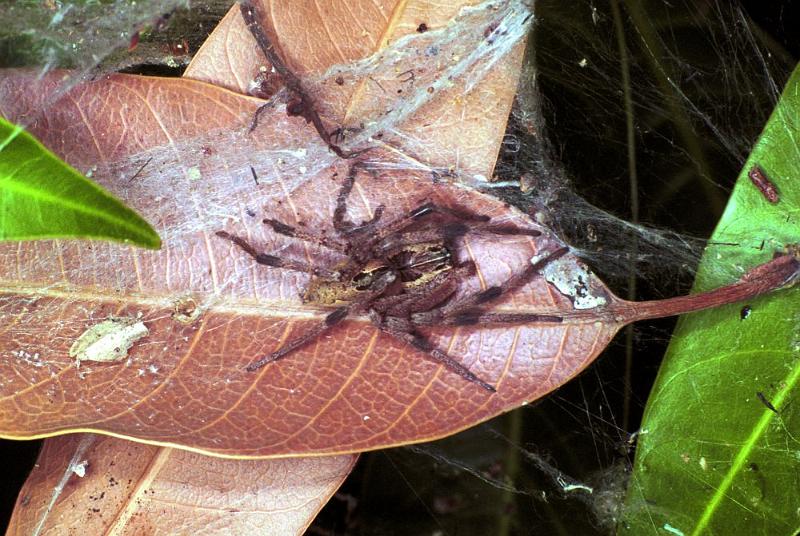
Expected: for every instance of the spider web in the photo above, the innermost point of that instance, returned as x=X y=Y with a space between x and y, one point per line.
x=702 y=83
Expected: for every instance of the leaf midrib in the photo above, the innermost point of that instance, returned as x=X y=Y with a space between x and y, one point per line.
x=748 y=446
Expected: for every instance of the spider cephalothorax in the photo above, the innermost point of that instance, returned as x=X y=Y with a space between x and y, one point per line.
x=402 y=273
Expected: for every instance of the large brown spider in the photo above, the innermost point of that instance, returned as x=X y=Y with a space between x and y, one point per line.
x=403 y=274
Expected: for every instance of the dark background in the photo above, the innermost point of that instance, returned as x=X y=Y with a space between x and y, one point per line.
x=582 y=429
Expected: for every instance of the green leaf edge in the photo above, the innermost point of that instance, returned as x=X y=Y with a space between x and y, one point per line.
x=134 y=230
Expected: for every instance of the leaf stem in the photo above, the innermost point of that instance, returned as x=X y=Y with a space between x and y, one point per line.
x=779 y=272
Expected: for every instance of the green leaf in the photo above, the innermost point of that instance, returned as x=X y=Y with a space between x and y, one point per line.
x=43 y=197
x=719 y=448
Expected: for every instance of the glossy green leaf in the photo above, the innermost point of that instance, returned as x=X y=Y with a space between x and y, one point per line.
x=42 y=197
x=719 y=450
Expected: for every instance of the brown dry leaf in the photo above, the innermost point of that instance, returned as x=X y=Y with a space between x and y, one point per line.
x=28 y=512
x=180 y=152
x=90 y=484
x=229 y=58
x=451 y=128
x=209 y=310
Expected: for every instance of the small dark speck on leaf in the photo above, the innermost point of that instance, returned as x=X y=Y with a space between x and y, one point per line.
x=745 y=312
x=766 y=402
x=422 y=28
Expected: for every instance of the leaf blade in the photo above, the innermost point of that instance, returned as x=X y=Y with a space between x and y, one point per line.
x=106 y=485
x=42 y=197
x=706 y=459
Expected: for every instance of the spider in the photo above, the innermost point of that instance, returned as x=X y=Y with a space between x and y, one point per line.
x=403 y=274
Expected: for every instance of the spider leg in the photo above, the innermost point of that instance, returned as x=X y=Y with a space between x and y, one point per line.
x=293 y=232
x=259 y=111
x=421 y=213
x=456 y=228
x=481 y=221
x=463 y=311
x=294 y=85
x=275 y=261
x=403 y=329
x=331 y=320
x=468 y=318
x=343 y=226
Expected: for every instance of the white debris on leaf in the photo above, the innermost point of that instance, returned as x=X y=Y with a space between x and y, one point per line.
x=572 y=279
x=80 y=468
x=193 y=173
x=109 y=340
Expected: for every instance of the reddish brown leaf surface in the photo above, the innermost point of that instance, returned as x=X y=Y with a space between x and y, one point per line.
x=450 y=127
x=156 y=114
x=184 y=383
x=88 y=484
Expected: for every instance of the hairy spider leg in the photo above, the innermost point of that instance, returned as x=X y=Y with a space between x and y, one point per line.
x=420 y=215
x=259 y=112
x=470 y=318
x=331 y=320
x=421 y=212
x=295 y=232
x=450 y=231
x=342 y=225
x=402 y=329
x=274 y=261
x=466 y=310
x=293 y=84
x=419 y=341
x=447 y=233
x=392 y=314
x=462 y=312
